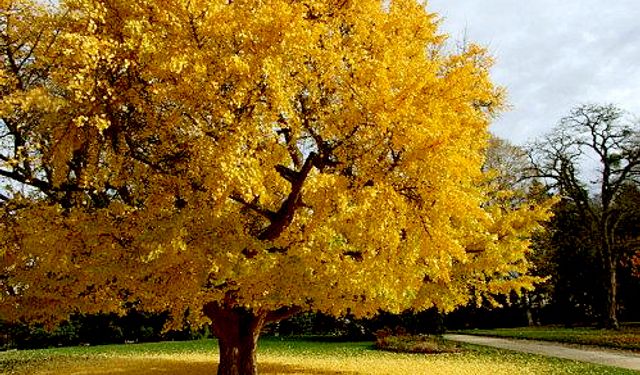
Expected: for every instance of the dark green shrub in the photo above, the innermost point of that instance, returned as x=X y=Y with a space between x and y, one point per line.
x=425 y=344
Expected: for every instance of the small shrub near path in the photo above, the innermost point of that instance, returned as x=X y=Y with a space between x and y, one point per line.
x=423 y=344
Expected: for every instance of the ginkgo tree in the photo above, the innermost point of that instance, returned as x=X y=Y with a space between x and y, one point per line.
x=237 y=162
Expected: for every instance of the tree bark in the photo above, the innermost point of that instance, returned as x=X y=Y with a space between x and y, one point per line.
x=611 y=281
x=611 y=318
x=238 y=355
x=528 y=310
x=238 y=330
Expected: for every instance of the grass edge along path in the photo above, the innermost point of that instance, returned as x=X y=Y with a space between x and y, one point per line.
x=622 y=360
x=286 y=357
x=626 y=338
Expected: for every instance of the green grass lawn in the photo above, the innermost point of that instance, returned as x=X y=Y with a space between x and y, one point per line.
x=284 y=357
x=627 y=338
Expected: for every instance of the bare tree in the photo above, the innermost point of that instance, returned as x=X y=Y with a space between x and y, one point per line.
x=593 y=134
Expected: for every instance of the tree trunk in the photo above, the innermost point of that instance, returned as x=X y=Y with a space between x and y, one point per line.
x=610 y=265
x=238 y=355
x=528 y=310
x=611 y=319
x=237 y=330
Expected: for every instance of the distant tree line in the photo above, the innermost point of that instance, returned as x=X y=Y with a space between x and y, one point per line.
x=94 y=329
x=590 y=250
x=100 y=329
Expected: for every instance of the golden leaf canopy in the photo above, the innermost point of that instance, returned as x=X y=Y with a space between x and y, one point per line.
x=319 y=154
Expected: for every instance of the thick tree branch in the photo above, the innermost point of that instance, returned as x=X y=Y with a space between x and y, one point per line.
x=284 y=216
x=37 y=183
x=282 y=313
x=254 y=207
x=287 y=173
x=296 y=155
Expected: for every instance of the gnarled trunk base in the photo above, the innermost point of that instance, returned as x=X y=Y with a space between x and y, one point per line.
x=238 y=330
x=238 y=356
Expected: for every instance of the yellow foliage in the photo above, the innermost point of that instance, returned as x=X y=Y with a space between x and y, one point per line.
x=166 y=145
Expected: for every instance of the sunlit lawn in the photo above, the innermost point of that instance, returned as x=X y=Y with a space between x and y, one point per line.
x=628 y=337
x=283 y=357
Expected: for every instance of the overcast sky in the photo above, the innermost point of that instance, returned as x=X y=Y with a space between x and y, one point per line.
x=552 y=55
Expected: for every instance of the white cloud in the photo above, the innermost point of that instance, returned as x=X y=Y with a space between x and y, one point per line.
x=552 y=55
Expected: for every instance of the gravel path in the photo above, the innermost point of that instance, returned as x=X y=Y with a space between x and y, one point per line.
x=551 y=349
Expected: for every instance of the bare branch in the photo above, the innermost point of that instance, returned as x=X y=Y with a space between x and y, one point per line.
x=37 y=183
